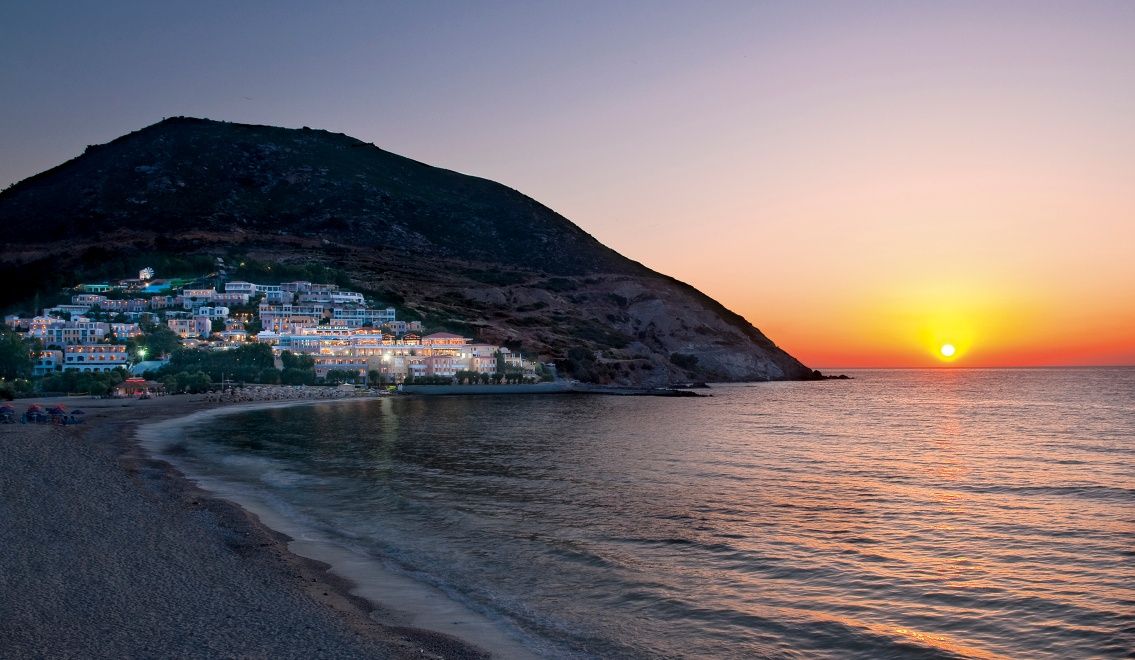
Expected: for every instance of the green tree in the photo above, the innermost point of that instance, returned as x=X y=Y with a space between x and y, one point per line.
x=468 y=376
x=292 y=360
x=294 y=376
x=162 y=341
x=16 y=359
x=338 y=376
x=193 y=383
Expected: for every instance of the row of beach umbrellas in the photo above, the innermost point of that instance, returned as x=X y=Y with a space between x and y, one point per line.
x=36 y=411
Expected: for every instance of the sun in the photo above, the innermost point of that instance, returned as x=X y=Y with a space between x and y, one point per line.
x=947 y=350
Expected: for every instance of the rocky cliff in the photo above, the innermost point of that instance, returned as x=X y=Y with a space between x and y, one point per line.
x=461 y=252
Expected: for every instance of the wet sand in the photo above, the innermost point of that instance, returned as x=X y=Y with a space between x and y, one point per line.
x=107 y=553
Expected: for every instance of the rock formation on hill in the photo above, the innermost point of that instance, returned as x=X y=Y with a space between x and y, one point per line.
x=463 y=253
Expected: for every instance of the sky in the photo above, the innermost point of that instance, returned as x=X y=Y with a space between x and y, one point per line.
x=865 y=182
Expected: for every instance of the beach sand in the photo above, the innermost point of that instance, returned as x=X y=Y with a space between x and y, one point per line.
x=107 y=553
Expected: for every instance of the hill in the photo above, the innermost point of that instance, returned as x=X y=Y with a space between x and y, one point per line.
x=459 y=251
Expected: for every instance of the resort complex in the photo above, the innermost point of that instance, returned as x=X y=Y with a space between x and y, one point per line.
x=333 y=332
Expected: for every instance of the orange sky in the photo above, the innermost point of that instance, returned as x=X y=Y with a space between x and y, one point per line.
x=970 y=181
x=864 y=181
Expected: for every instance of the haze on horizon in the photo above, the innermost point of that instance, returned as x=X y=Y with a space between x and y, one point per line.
x=865 y=183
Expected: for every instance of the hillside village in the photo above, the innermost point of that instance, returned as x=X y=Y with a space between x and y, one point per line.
x=337 y=334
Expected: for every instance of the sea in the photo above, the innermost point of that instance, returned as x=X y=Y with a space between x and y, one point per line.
x=940 y=513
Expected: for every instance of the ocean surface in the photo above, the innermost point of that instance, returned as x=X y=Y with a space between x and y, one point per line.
x=907 y=513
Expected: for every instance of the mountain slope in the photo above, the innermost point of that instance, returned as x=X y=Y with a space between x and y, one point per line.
x=461 y=251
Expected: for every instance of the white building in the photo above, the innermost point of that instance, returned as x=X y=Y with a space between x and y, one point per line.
x=357 y=317
x=76 y=331
x=94 y=357
x=47 y=362
x=194 y=327
x=194 y=298
x=361 y=351
x=125 y=330
x=88 y=299
x=67 y=310
x=401 y=327
x=247 y=288
x=231 y=298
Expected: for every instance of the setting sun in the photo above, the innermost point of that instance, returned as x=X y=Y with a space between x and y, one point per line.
x=947 y=350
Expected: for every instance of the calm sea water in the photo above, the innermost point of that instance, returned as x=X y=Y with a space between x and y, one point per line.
x=937 y=513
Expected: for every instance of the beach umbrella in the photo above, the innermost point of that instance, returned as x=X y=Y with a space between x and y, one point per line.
x=56 y=410
x=34 y=408
x=7 y=408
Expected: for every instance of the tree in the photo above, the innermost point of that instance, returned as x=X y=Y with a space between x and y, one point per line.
x=468 y=376
x=245 y=363
x=292 y=360
x=83 y=381
x=337 y=376
x=161 y=341
x=15 y=355
x=218 y=325
x=187 y=382
x=293 y=376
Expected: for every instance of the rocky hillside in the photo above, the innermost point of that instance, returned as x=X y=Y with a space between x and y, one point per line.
x=459 y=251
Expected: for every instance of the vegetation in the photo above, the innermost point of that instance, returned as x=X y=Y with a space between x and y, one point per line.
x=83 y=382
x=338 y=377
x=298 y=369
x=155 y=342
x=10 y=389
x=583 y=365
x=185 y=382
x=15 y=355
x=248 y=364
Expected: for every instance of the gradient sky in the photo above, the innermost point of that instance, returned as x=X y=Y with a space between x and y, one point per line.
x=863 y=181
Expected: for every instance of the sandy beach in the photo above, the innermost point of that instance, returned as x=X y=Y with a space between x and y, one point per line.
x=108 y=553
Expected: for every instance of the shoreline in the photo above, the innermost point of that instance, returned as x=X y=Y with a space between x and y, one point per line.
x=112 y=551
x=418 y=605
